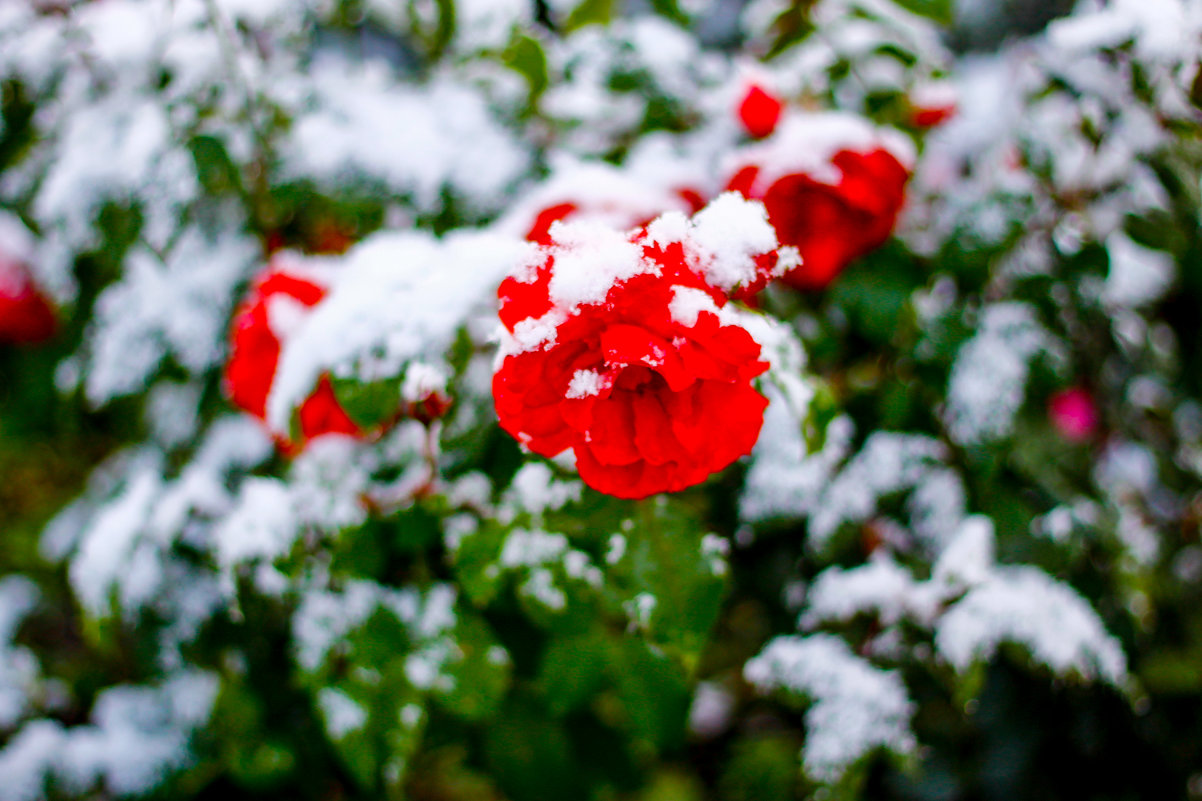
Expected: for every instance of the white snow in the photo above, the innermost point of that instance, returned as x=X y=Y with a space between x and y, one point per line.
x=584 y=383
x=722 y=239
x=881 y=587
x=888 y=462
x=326 y=619
x=109 y=542
x=19 y=669
x=711 y=711
x=989 y=377
x=327 y=483
x=688 y=303
x=262 y=526
x=530 y=548
x=340 y=712
x=359 y=120
x=590 y=258
x=786 y=480
x=176 y=307
x=1138 y=275
x=397 y=298
x=854 y=708
x=138 y=734
x=16 y=241
x=535 y=490
x=1022 y=604
x=1159 y=29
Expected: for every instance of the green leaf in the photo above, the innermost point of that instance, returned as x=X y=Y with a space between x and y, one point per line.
x=531 y=755
x=670 y=579
x=655 y=696
x=525 y=55
x=572 y=671
x=671 y=10
x=939 y=11
x=238 y=728
x=364 y=690
x=875 y=291
x=433 y=34
x=762 y=767
x=823 y=408
x=370 y=405
x=214 y=168
x=590 y=12
x=474 y=561
x=481 y=675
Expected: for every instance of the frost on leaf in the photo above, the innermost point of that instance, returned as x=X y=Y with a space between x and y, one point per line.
x=120 y=539
x=854 y=708
x=881 y=587
x=989 y=378
x=137 y=735
x=175 y=307
x=18 y=665
x=971 y=606
x=360 y=122
x=889 y=462
x=405 y=648
x=1024 y=605
x=785 y=480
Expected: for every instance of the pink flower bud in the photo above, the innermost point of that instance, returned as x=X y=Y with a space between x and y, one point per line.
x=1073 y=414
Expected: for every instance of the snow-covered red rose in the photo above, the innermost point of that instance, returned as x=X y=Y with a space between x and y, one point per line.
x=25 y=315
x=932 y=103
x=278 y=300
x=622 y=348
x=833 y=185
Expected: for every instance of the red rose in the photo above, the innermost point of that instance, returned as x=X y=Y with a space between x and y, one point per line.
x=759 y=112
x=25 y=315
x=833 y=187
x=621 y=348
x=260 y=323
x=931 y=116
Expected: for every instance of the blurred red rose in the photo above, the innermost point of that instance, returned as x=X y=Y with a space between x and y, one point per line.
x=833 y=187
x=932 y=103
x=276 y=301
x=26 y=317
x=621 y=347
x=760 y=111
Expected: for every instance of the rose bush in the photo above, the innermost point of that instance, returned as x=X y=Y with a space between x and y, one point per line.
x=858 y=543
